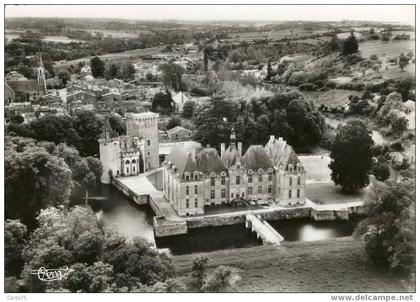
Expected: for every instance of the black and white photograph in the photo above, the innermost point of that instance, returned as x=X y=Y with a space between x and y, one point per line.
x=203 y=147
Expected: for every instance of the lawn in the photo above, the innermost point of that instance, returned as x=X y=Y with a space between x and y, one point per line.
x=316 y=167
x=336 y=265
x=327 y=192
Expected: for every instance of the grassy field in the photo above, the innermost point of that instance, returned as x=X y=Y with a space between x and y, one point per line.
x=336 y=265
x=330 y=98
x=326 y=193
x=125 y=55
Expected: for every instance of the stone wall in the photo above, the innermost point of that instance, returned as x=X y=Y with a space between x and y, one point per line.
x=163 y=229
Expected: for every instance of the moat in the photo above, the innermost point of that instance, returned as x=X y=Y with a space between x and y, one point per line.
x=123 y=215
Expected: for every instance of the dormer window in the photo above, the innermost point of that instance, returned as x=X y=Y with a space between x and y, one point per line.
x=187 y=177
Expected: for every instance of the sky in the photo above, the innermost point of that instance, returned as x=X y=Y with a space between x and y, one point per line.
x=388 y=13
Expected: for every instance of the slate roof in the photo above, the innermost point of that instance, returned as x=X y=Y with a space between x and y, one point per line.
x=176 y=129
x=208 y=160
x=256 y=158
x=25 y=85
x=280 y=153
x=230 y=156
x=181 y=159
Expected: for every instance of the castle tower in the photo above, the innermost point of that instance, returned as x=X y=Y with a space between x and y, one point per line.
x=145 y=126
x=41 y=73
x=109 y=153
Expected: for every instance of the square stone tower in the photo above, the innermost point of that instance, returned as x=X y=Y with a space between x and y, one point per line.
x=110 y=153
x=145 y=126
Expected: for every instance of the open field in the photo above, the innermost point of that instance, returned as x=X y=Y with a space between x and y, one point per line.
x=330 y=98
x=130 y=54
x=336 y=265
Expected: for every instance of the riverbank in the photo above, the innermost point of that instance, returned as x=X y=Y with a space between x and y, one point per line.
x=335 y=265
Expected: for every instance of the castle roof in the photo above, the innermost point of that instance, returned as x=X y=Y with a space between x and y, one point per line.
x=256 y=158
x=208 y=160
x=280 y=153
x=182 y=159
x=230 y=156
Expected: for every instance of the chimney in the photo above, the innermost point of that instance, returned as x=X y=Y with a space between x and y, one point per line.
x=222 y=149
x=240 y=148
x=207 y=146
x=272 y=138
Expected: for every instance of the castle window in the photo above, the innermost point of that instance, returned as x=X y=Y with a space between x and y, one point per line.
x=196 y=203
x=270 y=176
x=212 y=194
x=128 y=170
x=133 y=161
x=238 y=180
x=127 y=162
x=223 y=193
x=148 y=142
x=212 y=181
x=187 y=190
x=290 y=181
x=249 y=179
x=187 y=203
x=196 y=177
x=290 y=194
x=260 y=177
x=187 y=177
x=298 y=180
x=259 y=189
x=195 y=189
x=223 y=180
x=298 y=193
x=134 y=170
x=269 y=189
x=249 y=190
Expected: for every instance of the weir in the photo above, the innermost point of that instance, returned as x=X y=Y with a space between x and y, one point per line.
x=263 y=229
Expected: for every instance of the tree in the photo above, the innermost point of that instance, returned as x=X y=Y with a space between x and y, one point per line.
x=198 y=270
x=350 y=45
x=188 y=109
x=403 y=61
x=172 y=76
x=388 y=231
x=270 y=72
x=97 y=67
x=351 y=156
x=163 y=103
x=399 y=125
x=381 y=171
x=64 y=77
x=173 y=122
x=17 y=119
x=15 y=234
x=117 y=123
x=34 y=179
x=89 y=128
x=111 y=71
x=100 y=262
x=222 y=279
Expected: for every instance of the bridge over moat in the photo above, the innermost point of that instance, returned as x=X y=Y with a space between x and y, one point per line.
x=263 y=229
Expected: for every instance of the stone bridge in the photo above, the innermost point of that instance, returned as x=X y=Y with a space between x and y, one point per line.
x=263 y=229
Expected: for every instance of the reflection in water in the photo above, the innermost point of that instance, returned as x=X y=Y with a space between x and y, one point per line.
x=309 y=230
x=123 y=215
x=209 y=239
x=126 y=217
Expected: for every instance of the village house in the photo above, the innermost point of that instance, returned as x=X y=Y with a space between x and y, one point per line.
x=179 y=133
